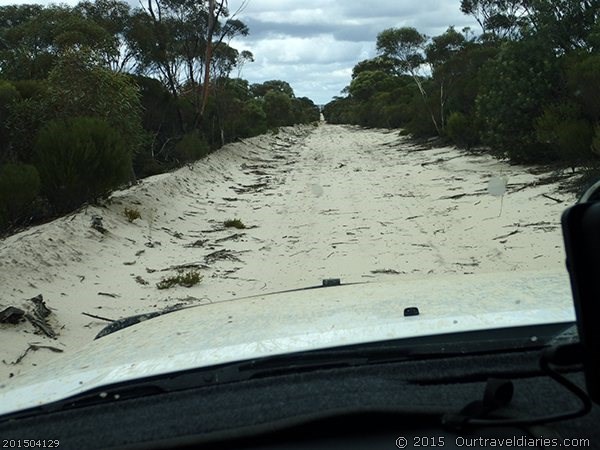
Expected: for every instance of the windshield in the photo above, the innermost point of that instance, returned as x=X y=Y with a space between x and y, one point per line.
x=172 y=154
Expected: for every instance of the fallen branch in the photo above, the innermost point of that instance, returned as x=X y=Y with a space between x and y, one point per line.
x=41 y=325
x=175 y=234
x=221 y=255
x=457 y=196
x=11 y=315
x=387 y=271
x=197 y=243
x=108 y=294
x=232 y=237
x=507 y=235
x=35 y=347
x=40 y=309
x=181 y=267
x=93 y=316
x=552 y=198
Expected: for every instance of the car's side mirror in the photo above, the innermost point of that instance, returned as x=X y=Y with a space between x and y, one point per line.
x=581 y=233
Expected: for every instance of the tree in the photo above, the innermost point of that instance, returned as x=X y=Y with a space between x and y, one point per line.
x=568 y=24
x=441 y=55
x=260 y=90
x=30 y=48
x=114 y=17
x=583 y=83
x=405 y=47
x=515 y=88
x=8 y=95
x=278 y=108
x=79 y=86
x=377 y=64
x=177 y=39
x=368 y=83
x=499 y=19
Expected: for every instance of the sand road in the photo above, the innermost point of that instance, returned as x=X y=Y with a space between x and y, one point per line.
x=318 y=202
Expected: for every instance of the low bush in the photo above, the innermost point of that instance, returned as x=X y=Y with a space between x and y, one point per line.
x=185 y=279
x=8 y=96
x=132 y=214
x=461 y=130
x=569 y=136
x=19 y=187
x=191 y=148
x=80 y=160
x=235 y=223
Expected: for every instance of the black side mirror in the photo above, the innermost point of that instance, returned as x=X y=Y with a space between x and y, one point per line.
x=581 y=233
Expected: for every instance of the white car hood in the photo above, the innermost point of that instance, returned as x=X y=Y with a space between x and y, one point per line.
x=259 y=326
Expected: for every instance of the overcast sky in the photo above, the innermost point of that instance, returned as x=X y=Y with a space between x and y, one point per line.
x=313 y=44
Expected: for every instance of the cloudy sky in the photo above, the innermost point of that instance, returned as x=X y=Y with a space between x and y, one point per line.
x=313 y=44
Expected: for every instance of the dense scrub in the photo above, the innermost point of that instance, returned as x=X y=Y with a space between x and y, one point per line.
x=526 y=88
x=99 y=94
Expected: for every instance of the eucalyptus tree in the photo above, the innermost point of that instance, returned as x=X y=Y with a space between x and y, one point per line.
x=405 y=48
x=499 y=19
x=182 y=41
x=114 y=16
x=446 y=68
x=32 y=38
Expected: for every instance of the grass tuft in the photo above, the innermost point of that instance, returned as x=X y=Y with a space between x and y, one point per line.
x=235 y=223
x=185 y=279
x=132 y=214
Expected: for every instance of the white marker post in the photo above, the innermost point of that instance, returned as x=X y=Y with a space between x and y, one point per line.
x=497 y=188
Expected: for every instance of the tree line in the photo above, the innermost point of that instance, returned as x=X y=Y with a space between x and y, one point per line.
x=527 y=87
x=100 y=94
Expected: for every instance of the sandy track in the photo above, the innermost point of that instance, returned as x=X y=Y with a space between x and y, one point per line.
x=331 y=201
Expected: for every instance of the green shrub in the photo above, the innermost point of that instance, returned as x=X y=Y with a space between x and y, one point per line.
x=253 y=120
x=80 y=86
x=185 y=279
x=235 y=223
x=191 y=148
x=132 y=214
x=79 y=160
x=19 y=187
x=31 y=88
x=8 y=92
x=25 y=119
x=8 y=96
x=462 y=130
x=563 y=129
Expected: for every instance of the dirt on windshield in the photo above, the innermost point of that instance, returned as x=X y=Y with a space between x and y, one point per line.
x=270 y=213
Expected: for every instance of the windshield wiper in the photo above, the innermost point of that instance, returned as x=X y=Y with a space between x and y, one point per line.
x=129 y=321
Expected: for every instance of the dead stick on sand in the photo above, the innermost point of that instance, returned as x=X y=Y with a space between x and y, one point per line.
x=506 y=235
x=35 y=347
x=93 y=316
x=41 y=325
x=552 y=198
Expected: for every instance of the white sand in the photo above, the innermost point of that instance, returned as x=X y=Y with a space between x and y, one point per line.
x=331 y=201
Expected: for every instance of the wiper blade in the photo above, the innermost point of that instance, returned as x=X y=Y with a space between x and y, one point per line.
x=119 y=324
x=129 y=321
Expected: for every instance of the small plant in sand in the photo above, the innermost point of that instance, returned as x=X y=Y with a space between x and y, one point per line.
x=235 y=223
x=132 y=214
x=185 y=279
